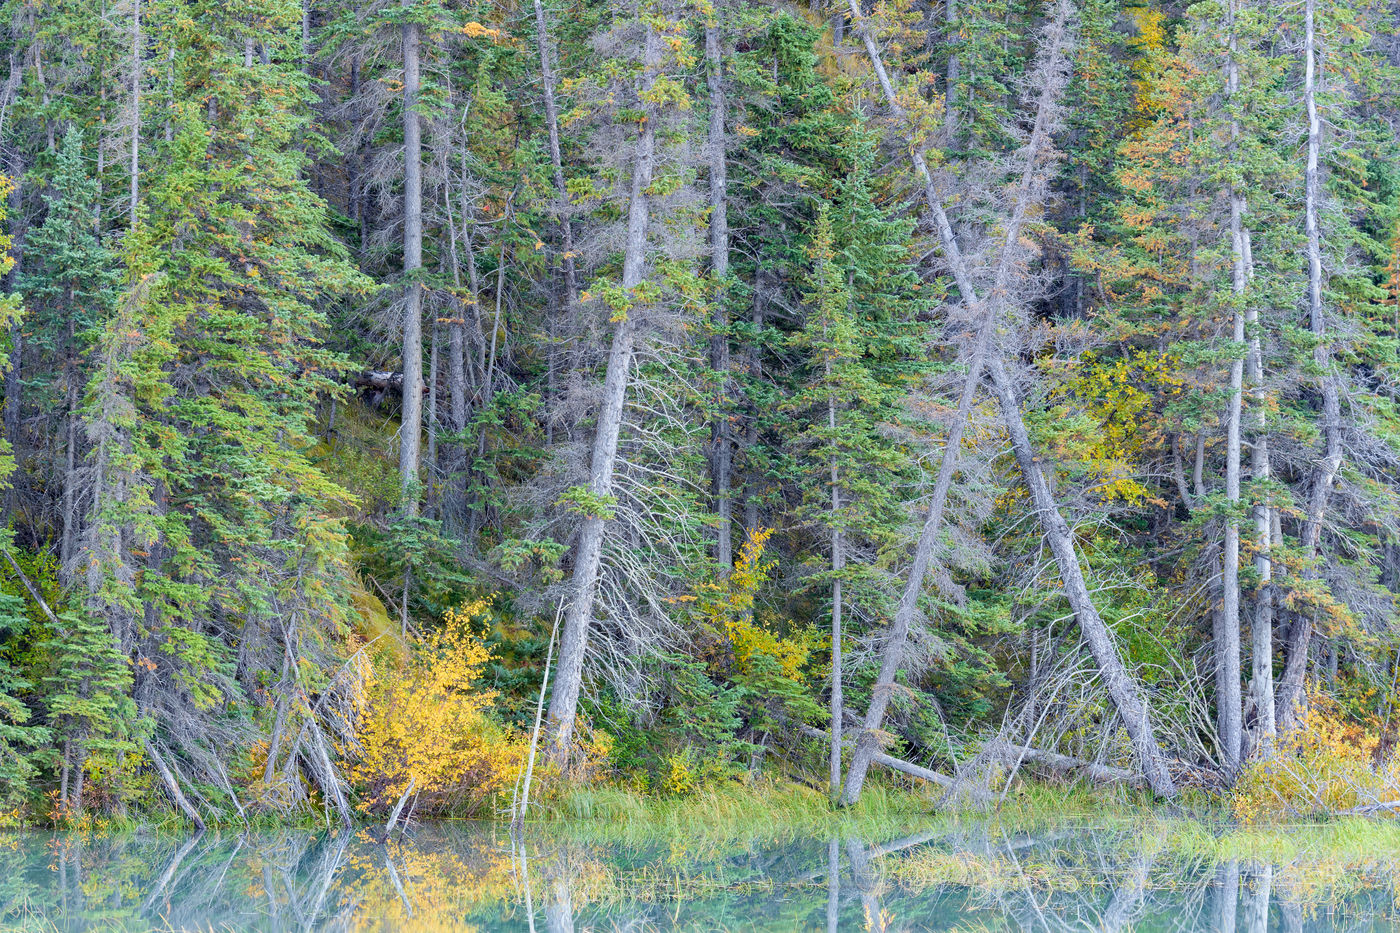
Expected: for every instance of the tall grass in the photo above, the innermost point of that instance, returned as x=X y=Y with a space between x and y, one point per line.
x=763 y=811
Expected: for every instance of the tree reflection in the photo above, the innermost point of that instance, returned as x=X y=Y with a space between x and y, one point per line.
x=475 y=876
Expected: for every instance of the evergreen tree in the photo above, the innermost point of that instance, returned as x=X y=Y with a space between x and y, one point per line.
x=69 y=286
x=211 y=527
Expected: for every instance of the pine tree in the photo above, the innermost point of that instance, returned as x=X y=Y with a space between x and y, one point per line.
x=69 y=286
x=210 y=525
x=20 y=737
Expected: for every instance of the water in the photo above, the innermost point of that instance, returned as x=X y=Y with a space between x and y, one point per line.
x=968 y=876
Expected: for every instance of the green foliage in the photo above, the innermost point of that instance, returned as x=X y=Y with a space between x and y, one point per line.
x=22 y=739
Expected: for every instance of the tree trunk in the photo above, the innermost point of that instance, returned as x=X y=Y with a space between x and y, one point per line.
x=838 y=565
x=410 y=434
x=1122 y=689
x=721 y=463
x=171 y=784
x=1291 y=694
x=432 y=492
x=1227 y=651
x=134 y=180
x=1032 y=176
x=70 y=459
x=588 y=553
x=561 y=191
x=754 y=478
x=1262 y=624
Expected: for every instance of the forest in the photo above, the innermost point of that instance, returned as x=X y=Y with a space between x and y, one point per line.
x=444 y=402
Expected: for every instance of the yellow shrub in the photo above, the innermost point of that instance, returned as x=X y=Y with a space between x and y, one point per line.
x=1324 y=766
x=681 y=772
x=728 y=607
x=425 y=722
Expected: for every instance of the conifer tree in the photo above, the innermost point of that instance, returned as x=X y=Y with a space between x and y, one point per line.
x=210 y=526
x=69 y=287
x=21 y=738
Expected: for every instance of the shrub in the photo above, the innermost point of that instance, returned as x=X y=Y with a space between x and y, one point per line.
x=426 y=722
x=1324 y=766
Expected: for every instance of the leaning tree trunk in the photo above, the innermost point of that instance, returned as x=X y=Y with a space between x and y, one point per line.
x=588 y=553
x=1291 y=694
x=1122 y=688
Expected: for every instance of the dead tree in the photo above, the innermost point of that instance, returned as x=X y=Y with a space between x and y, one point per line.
x=1036 y=157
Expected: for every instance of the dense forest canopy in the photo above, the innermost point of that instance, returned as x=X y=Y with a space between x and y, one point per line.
x=945 y=388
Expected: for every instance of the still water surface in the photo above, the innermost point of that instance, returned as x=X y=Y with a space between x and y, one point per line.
x=969 y=876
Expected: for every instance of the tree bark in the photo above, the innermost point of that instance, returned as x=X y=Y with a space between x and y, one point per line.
x=172 y=785
x=1033 y=175
x=838 y=566
x=1291 y=694
x=410 y=434
x=1262 y=624
x=721 y=463
x=588 y=553
x=70 y=458
x=1227 y=702
x=1122 y=689
x=561 y=191
x=134 y=180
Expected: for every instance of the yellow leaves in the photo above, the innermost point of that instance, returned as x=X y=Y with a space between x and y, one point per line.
x=1325 y=765
x=475 y=30
x=1109 y=417
x=426 y=722
x=728 y=608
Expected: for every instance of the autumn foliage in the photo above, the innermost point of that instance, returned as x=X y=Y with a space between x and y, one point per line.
x=1328 y=765
x=425 y=721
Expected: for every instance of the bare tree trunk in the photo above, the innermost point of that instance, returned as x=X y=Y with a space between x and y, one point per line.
x=1034 y=173
x=838 y=565
x=455 y=497
x=1290 y=693
x=433 y=491
x=70 y=458
x=561 y=191
x=410 y=434
x=588 y=553
x=753 y=479
x=134 y=180
x=954 y=73
x=1227 y=651
x=1122 y=688
x=722 y=462
x=353 y=195
x=1262 y=624
x=168 y=777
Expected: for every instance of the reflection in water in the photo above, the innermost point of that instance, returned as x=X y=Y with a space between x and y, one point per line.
x=477 y=877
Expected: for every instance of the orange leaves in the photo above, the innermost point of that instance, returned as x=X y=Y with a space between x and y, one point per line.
x=475 y=30
x=1324 y=766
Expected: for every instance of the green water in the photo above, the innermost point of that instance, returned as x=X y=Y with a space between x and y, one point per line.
x=969 y=876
